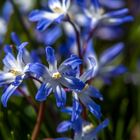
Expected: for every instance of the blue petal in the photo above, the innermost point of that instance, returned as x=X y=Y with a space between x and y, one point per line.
x=95 y=4
x=67 y=110
x=90 y=52
x=118 y=70
x=111 y=53
x=72 y=83
x=81 y=3
x=37 y=15
x=50 y=56
x=7 y=94
x=64 y=126
x=6 y=78
x=49 y=38
x=59 y=19
x=77 y=109
x=67 y=70
x=77 y=126
x=113 y=4
x=37 y=69
x=94 y=109
x=117 y=13
x=43 y=92
x=7 y=49
x=91 y=106
x=43 y=24
x=73 y=61
x=15 y=38
x=35 y=57
x=21 y=54
x=22 y=45
x=87 y=75
x=93 y=92
x=60 y=96
x=9 y=61
x=118 y=21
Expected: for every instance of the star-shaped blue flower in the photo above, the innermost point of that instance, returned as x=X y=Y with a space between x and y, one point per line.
x=97 y=15
x=87 y=93
x=15 y=70
x=83 y=130
x=55 y=79
x=57 y=13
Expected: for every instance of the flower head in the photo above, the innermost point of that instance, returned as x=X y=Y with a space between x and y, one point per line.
x=55 y=78
x=15 y=70
x=83 y=130
x=97 y=15
x=87 y=93
x=58 y=12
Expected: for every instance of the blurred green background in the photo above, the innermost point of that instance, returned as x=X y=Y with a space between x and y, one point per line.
x=121 y=99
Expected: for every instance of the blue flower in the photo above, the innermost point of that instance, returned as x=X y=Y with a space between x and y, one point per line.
x=89 y=132
x=87 y=93
x=15 y=70
x=106 y=70
x=83 y=130
x=58 y=12
x=54 y=78
x=97 y=15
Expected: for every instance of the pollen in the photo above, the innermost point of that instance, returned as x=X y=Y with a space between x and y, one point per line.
x=56 y=75
x=15 y=72
x=58 y=10
x=87 y=128
x=86 y=87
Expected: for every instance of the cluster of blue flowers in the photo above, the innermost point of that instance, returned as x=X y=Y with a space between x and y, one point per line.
x=75 y=74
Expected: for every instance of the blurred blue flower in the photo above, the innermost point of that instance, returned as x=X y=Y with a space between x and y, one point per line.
x=109 y=32
x=98 y=16
x=59 y=10
x=105 y=69
x=112 y=4
x=3 y=26
x=89 y=132
x=83 y=130
x=5 y=14
x=54 y=78
x=47 y=38
x=15 y=70
x=87 y=93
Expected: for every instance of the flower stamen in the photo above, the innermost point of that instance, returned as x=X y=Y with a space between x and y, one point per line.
x=56 y=75
x=15 y=72
x=86 y=87
x=87 y=128
x=58 y=10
